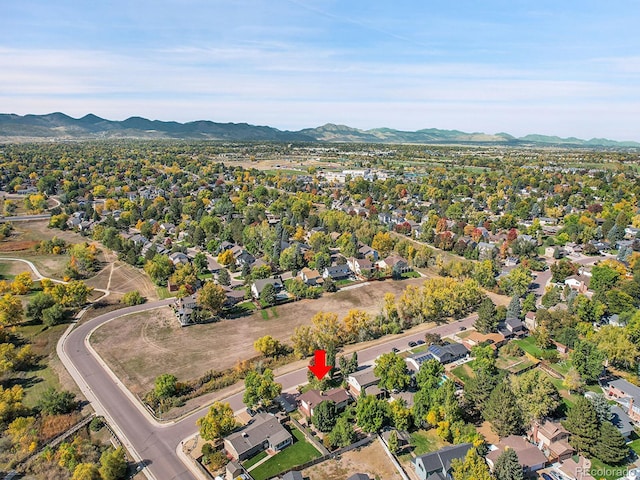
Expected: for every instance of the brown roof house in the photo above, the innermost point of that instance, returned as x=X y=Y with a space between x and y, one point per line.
x=363 y=380
x=265 y=433
x=312 y=398
x=577 y=469
x=553 y=439
x=529 y=457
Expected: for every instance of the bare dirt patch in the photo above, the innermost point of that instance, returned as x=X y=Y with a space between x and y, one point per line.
x=142 y=346
x=119 y=277
x=370 y=459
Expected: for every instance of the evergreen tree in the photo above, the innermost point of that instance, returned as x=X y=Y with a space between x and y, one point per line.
x=224 y=278
x=507 y=466
x=502 y=411
x=602 y=407
x=487 y=320
x=325 y=416
x=478 y=388
x=513 y=310
x=587 y=360
x=611 y=448
x=582 y=423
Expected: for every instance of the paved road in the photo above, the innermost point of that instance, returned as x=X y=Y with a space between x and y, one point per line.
x=153 y=443
x=26 y=218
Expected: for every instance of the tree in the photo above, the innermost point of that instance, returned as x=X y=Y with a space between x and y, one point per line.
x=508 y=466
x=166 y=385
x=383 y=243
x=513 y=310
x=478 y=388
x=53 y=315
x=342 y=434
x=113 y=464
x=268 y=295
x=159 y=268
x=430 y=374
x=487 y=321
x=393 y=442
x=601 y=406
x=611 y=448
x=325 y=416
x=53 y=402
x=587 y=360
x=615 y=344
x=218 y=422
x=563 y=269
x=516 y=282
x=573 y=381
x=23 y=434
x=226 y=258
x=484 y=359
x=200 y=262
x=392 y=371
x=604 y=277
x=268 y=346
x=401 y=416
x=371 y=413
x=473 y=467
x=133 y=298
x=212 y=297
x=260 y=388
x=582 y=423
x=503 y=411
x=22 y=284
x=10 y=309
x=86 y=471
x=535 y=394
x=39 y=302
x=224 y=278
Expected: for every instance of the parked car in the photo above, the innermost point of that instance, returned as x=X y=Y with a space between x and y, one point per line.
x=420 y=342
x=395 y=350
x=413 y=344
x=251 y=412
x=463 y=328
x=546 y=476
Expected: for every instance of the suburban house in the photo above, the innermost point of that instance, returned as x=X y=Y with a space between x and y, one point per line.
x=577 y=283
x=396 y=263
x=416 y=359
x=359 y=476
x=495 y=340
x=245 y=258
x=361 y=266
x=487 y=251
x=576 y=470
x=292 y=475
x=512 y=327
x=627 y=395
x=622 y=422
x=363 y=380
x=233 y=296
x=234 y=470
x=258 y=285
x=529 y=457
x=178 y=258
x=553 y=439
x=310 y=277
x=448 y=353
x=437 y=465
x=265 y=433
x=312 y=398
x=183 y=308
x=365 y=251
x=337 y=272
x=530 y=321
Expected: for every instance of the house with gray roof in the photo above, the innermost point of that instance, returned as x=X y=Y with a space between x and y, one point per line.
x=437 y=465
x=622 y=422
x=448 y=353
x=258 y=285
x=363 y=380
x=264 y=433
x=627 y=395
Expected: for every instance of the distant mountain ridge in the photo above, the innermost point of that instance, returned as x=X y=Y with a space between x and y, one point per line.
x=58 y=126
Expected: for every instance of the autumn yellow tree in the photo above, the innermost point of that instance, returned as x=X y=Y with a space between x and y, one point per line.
x=383 y=243
x=10 y=310
x=226 y=258
x=22 y=284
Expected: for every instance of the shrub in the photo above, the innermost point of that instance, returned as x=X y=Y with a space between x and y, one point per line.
x=133 y=298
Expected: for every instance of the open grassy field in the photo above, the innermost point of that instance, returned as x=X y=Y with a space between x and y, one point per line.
x=370 y=459
x=140 y=347
x=120 y=277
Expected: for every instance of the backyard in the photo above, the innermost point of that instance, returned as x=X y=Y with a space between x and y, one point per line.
x=300 y=452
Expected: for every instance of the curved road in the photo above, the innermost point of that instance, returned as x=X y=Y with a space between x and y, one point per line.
x=152 y=443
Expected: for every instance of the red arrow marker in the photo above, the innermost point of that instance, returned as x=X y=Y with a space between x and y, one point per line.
x=320 y=367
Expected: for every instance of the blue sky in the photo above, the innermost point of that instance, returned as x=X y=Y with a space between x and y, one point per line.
x=559 y=68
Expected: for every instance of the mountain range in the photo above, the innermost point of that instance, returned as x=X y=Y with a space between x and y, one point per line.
x=58 y=126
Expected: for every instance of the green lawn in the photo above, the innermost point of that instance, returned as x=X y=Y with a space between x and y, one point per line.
x=411 y=274
x=253 y=460
x=463 y=372
x=561 y=367
x=601 y=470
x=300 y=452
x=163 y=292
x=529 y=345
x=425 y=441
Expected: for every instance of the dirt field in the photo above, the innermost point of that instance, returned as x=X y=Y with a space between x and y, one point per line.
x=120 y=277
x=142 y=346
x=371 y=460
